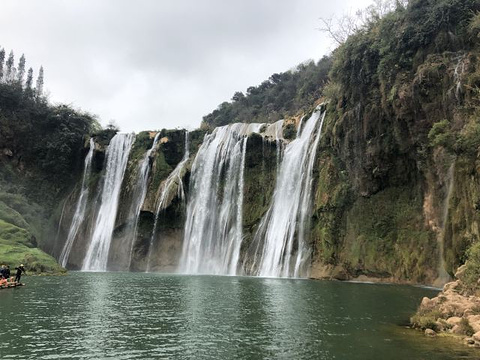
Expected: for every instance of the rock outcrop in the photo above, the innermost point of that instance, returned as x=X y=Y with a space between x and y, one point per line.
x=455 y=311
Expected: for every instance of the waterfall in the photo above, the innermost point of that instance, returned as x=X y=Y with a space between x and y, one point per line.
x=275 y=131
x=443 y=276
x=79 y=214
x=116 y=163
x=140 y=192
x=457 y=76
x=166 y=195
x=280 y=238
x=213 y=227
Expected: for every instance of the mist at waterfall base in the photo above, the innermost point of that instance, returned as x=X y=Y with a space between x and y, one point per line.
x=118 y=315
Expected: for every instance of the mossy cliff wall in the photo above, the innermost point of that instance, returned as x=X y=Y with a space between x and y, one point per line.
x=398 y=182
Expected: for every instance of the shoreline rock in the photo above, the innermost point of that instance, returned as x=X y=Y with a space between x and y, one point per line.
x=454 y=311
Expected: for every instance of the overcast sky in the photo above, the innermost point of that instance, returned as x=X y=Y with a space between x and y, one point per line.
x=152 y=64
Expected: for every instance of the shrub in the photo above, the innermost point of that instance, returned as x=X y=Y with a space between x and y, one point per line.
x=472 y=271
x=441 y=135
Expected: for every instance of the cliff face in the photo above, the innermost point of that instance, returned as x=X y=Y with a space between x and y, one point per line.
x=395 y=179
x=398 y=177
x=395 y=184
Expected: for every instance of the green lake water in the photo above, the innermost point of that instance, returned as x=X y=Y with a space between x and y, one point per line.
x=155 y=316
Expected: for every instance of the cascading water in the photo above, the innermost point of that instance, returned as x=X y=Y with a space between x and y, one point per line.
x=213 y=227
x=281 y=250
x=443 y=276
x=175 y=178
x=79 y=214
x=275 y=131
x=116 y=163
x=140 y=192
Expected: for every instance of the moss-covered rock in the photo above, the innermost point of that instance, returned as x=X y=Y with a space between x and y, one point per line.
x=18 y=245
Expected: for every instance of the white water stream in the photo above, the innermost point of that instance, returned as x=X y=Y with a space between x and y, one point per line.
x=140 y=192
x=166 y=195
x=213 y=227
x=281 y=247
x=116 y=162
x=79 y=214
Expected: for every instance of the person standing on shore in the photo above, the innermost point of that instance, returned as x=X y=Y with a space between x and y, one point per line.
x=6 y=273
x=18 y=275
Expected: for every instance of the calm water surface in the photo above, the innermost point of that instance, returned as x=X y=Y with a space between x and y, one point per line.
x=153 y=316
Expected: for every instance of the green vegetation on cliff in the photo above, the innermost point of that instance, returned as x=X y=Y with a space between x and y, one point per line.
x=41 y=157
x=282 y=95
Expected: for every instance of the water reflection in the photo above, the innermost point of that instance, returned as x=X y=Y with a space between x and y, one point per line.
x=149 y=316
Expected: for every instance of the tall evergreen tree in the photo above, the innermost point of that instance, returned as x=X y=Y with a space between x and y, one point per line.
x=29 y=82
x=2 y=59
x=9 y=70
x=39 y=85
x=21 y=69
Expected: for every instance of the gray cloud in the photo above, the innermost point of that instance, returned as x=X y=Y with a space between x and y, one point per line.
x=153 y=64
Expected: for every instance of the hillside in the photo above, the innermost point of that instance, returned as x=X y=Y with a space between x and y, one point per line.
x=41 y=157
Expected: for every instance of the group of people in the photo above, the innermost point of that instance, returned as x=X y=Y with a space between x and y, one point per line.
x=6 y=279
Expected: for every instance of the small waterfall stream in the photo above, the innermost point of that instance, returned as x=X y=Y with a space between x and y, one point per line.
x=175 y=178
x=79 y=214
x=116 y=162
x=213 y=227
x=443 y=276
x=140 y=192
x=280 y=238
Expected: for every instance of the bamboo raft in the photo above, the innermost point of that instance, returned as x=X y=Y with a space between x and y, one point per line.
x=11 y=285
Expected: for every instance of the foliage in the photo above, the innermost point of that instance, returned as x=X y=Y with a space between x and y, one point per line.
x=341 y=28
x=441 y=135
x=474 y=25
x=426 y=320
x=398 y=42
x=465 y=327
x=472 y=271
x=42 y=148
x=468 y=142
x=282 y=95
x=46 y=140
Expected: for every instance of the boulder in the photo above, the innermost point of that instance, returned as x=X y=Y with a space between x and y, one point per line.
x=426 y=303
x=451 y=286
x=457 y=329
x=430 y=332
x=476 y=336
x=454 y=320
x=474 y=321
x=453 y=304
x=440 y=325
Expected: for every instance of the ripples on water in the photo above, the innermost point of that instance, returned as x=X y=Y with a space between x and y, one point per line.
x=153 y=316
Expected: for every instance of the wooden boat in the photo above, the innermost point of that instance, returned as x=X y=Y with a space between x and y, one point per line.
x=11 y=285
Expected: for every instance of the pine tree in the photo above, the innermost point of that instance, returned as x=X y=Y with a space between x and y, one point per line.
x=21 y=69
x=29 y=82
x=39 y=86
x=2 y=59
x=10 y=69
